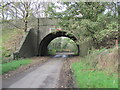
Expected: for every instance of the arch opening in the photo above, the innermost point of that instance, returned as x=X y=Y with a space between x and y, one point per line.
x=62 y=46
x=43 y=46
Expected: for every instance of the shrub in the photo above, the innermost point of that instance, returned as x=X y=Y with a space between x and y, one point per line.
x=52 y=52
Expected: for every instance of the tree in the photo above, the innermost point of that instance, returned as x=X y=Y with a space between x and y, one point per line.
x=24 y=10
x=88 y=20
x=17 y=11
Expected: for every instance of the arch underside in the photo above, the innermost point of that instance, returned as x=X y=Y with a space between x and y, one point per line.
x=43 y=51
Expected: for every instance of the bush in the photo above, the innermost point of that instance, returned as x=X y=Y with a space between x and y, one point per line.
x=52 y=52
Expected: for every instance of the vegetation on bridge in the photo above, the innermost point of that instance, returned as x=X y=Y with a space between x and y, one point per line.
x=89 y=20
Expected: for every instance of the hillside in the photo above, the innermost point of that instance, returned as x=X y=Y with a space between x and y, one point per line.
x=10 y=41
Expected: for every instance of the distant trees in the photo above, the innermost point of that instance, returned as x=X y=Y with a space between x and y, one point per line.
x=62 y=44
x=55 y=44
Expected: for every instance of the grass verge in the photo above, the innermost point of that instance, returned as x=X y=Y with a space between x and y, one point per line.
x=87 y=78
x=13 y=65
x=97 y=70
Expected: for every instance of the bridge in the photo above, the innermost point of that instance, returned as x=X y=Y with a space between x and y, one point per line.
x=36 y=40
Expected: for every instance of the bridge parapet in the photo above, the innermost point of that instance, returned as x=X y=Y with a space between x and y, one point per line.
x=16 y=53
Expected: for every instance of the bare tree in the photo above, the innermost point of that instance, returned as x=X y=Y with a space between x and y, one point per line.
x=17 y=10
x=23 y=11
x=4 y=9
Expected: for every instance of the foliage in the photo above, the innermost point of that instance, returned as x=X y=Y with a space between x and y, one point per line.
x=62 y=44
x=111 y=31
x=14 y=65
x=52 y=52
x=55 y=44
x=5 y=53
x=85 y=20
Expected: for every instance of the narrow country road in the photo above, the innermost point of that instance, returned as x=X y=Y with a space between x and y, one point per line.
x=42 y=76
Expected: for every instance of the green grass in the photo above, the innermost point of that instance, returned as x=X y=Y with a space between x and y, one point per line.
x=13 y=65
x=87 y=78
x=87 y=75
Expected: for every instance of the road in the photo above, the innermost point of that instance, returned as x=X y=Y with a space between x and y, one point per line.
x=42 y=76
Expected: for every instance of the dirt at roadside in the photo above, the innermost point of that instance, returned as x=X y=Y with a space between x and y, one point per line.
x=35 y=61
x=66 y=79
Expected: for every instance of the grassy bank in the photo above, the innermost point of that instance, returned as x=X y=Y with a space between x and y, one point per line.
x=13 y=65
x=10 y=34
x=87 y=77
x=10 y=41
x=97 y=70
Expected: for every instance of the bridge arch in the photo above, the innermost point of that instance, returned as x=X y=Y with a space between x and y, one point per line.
x=42 y=50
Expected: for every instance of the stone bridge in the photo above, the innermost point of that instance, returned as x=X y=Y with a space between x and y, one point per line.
x=36 y=40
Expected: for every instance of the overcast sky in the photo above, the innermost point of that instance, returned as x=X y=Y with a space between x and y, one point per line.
x=65 y=0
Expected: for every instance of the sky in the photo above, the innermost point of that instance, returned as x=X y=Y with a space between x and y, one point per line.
x=65 y=0
x=42 y=14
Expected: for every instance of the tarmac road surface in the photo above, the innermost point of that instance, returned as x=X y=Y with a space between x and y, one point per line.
x=42 y=76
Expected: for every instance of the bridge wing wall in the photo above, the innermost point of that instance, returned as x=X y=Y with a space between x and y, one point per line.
x=29 y=46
